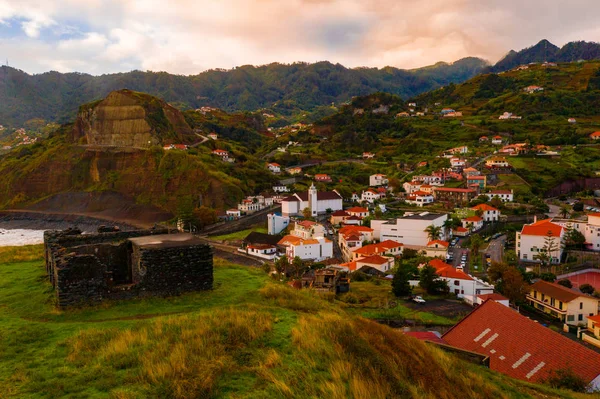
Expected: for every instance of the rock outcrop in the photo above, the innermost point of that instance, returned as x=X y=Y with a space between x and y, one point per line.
x=127 y=118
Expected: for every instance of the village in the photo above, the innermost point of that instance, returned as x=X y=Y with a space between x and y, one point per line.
x=465 y=235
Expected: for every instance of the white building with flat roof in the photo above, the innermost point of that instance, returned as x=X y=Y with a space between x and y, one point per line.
x=276 y=223
x=410 y=228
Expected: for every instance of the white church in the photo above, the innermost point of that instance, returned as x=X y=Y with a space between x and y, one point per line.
x=317 y=202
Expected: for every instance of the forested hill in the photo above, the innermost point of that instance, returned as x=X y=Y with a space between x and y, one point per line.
x=546 y=51
x=286 y=89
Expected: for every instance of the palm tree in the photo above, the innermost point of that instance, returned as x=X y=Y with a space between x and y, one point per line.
x=564 y=212
x=433 y=232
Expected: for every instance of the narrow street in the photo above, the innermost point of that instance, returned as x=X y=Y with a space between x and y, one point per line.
x=496 y=248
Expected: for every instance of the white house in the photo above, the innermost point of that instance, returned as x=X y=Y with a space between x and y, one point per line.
x=473 y=223
x=460 y=283
x=281 y=189
x=254 y=204
x=382 y=263
x=497 y=162
x=409 y=229
x=497 y=140
x=317 y=202
x=368 y=155
x=276 y=223
x=351 y=238
x=488 y=213
x=358 y=211
x=263 y=251
x=307 y=229
x=236 y=213
x=431 y=180
x=590 y=229
x=378 y=180
x=213 y=136
x=411 y=186
x=316 y=249
x=274 y=167
x=457 y=162
x=420 y=198
x=503 y=195
x=532 y=239
x=370 y=196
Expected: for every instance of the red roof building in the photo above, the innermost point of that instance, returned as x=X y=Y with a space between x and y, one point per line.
x=521 y=348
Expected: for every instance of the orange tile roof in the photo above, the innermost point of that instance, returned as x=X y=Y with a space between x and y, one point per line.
x=594 y=319
x=357 y=209
x=440 y=242
x=519 y=347
x=556 y=291
x=355 y=229
x=542 y=228
x=350 y=265
x=306 y=223
x=445 y=270
x=461 y=229
x=454 y=190
x=373 y=260
x=378 y=248
x=484 y=207
x=595 y=134
x=473 y=219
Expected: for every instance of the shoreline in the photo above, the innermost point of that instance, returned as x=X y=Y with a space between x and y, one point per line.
x=37 y=220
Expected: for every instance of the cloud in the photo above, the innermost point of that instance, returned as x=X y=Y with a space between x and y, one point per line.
x=188 y=36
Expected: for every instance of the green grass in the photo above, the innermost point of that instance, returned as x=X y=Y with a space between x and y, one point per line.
x=247 y=338
x=240 y=235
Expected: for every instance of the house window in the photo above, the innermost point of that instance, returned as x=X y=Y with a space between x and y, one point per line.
x=456 y=282
x=551 y=301
x=456 y=291
x=462 y=291
x=580 y=317
x=570 y=317
x=580 y=305
x=560 y=305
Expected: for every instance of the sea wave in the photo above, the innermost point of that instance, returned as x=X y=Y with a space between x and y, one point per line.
x=18 y=237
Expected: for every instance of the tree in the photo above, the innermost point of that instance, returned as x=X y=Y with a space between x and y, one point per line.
x=306 y=212
x=475 y=242
x=282 y=265
x=514 y=287
x=586 y=289
x=496 y=202
x=433 y=232
x=574 y=238
x=205 y=216
x=564 y=212
x=298 y=266
x=329 y=211
x=545 y=255
x=566 y=379
x=409 y=253
x=511 y=258
x=549 y=277
x=578 y=207
x=567 y=283
x=400 y=285
x=430 y=282
x=378 y=213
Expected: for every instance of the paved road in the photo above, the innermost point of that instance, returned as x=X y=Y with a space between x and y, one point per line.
x=496 y=248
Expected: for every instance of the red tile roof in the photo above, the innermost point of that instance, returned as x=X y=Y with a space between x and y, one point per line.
x=460 y=229
x=340 y=213
x=542 y=228
x=445 y=270
x=595 y=134
x=519 y=347
x=473 y=219
x=484 y=207
x=306 y=223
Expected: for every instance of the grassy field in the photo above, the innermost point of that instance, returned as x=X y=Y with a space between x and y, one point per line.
x=240 y=235
x=247 y=338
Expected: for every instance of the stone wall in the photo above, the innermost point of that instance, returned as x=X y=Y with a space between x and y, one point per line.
x=89 y=268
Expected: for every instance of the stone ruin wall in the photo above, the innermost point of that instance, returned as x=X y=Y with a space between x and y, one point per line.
x=88 y=269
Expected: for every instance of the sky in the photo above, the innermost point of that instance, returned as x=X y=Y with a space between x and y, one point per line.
x=190 y=36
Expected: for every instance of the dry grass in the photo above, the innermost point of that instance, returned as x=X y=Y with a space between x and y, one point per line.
x=25 y=253
x=179 y=357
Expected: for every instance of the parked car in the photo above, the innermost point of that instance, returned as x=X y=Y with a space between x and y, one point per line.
x=418 y=299
x=461 y=267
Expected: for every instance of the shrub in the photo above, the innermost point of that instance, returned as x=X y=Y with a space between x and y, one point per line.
x=586 y=289
x=566 y=379
x=567 y=283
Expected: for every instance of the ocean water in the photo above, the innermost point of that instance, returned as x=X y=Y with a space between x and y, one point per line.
x=16 y=237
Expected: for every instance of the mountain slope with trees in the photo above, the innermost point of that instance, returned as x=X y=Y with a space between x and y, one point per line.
x=287 y=89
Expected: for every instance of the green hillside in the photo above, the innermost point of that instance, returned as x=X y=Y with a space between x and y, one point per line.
x=292 y=89
x=247 y=338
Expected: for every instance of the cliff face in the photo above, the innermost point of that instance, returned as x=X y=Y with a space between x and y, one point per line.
x=130 y=119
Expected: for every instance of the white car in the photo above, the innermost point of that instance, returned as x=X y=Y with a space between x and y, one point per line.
x=418 y=299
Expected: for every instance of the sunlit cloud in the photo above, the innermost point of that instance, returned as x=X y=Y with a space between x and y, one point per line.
x=189 y=36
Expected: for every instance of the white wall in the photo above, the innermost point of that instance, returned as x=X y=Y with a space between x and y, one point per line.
x=276 y=224
x=407 y=231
